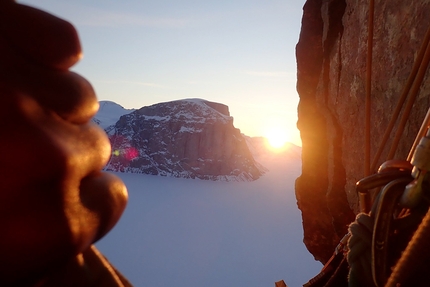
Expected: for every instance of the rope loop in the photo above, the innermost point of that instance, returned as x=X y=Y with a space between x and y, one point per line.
x=359 y=255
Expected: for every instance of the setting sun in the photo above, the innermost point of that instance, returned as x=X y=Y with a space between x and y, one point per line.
x=277 y=137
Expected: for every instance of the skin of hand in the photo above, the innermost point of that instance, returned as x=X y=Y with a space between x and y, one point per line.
x=54 y=200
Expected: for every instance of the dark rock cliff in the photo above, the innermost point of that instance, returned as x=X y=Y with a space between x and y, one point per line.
x=185 y=138
x=331 y=63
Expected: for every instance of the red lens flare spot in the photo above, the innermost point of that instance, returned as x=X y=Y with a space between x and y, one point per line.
x=131 y=153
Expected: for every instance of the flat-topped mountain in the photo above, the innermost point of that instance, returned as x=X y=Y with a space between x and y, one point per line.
x=190 y=138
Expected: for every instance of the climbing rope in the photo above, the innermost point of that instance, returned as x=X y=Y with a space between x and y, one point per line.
x=412 y=96
x=405 y=92
x=421 y=133
x=359 y=254
x=368 y=87
x=408 y=95
x=364 y=198
x=414 y=255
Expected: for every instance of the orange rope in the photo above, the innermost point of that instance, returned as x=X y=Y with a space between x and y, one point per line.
x=421 y=133
x=368 y=88
x=413 y=94
x=402 y=99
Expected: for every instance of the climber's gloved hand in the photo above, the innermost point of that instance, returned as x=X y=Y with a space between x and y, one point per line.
x=54 y=201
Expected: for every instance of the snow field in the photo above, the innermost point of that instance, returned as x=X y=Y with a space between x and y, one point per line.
x=192 y=233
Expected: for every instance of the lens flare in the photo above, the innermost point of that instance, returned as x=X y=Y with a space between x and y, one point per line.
x=131 y=153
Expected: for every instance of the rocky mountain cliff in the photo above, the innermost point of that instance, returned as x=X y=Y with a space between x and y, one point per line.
x=331 y=62
x=190 y=138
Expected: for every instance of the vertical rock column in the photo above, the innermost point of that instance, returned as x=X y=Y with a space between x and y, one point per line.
x=331 y=63
x=319 y=190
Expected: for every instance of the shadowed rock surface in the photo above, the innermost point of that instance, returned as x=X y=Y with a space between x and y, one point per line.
x=331 y=62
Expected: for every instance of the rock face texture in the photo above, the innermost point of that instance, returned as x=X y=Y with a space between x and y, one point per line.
x=186 y=138
x=331 y=63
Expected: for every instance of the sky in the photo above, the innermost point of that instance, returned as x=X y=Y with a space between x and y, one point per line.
x=237 y=52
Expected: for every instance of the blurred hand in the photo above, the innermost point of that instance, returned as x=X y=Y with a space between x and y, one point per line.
x=54 y=201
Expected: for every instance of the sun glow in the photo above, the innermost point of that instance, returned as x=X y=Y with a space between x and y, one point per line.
x=277 y=137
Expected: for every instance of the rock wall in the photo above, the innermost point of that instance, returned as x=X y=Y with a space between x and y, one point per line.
x=331 y=70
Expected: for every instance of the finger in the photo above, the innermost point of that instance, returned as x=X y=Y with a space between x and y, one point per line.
x=52 y=204
x=56 y=149
x=85 y=148
x=66 y=93
x=105 y=195
x=48 y=40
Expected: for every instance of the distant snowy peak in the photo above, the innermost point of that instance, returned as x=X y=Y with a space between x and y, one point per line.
x=109 y=113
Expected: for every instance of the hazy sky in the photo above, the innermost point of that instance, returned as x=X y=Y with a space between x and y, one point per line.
x=237 y=52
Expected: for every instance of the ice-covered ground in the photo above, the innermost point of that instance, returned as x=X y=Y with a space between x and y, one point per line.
x=194 y=233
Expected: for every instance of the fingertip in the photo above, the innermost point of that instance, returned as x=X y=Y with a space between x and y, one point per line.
x=106 y=195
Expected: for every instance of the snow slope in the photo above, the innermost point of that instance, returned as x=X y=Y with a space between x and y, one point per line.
x=109 y=113
x=193 y=233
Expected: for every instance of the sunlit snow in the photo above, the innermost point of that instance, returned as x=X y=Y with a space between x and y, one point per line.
x=109 y=113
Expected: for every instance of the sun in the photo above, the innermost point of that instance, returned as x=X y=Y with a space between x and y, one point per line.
x=277 y=137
